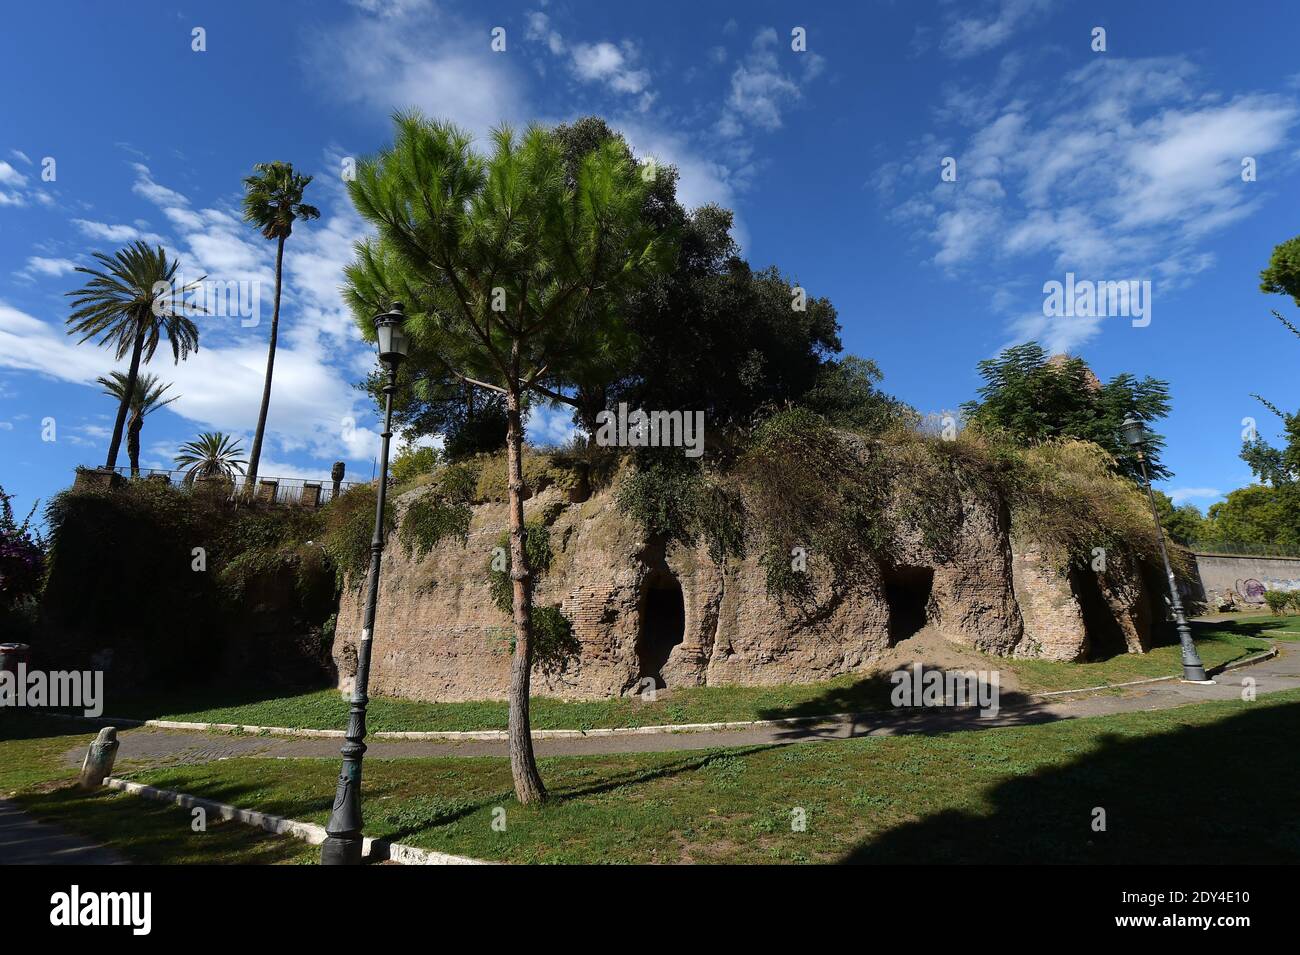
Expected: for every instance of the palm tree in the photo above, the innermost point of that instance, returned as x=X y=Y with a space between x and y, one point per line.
x=272 y=201
x=212 y=454
x=131 y=303
x=145 y=400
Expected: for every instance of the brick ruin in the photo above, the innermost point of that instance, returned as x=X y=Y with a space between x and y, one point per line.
x=643 y=611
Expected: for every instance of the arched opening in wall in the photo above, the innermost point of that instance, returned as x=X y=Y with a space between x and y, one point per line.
x=1105 y=638
x=662 y=623
x=907 y=591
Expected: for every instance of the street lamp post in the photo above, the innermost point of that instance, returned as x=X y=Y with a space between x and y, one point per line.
x=343 y=843
x=1135 y=434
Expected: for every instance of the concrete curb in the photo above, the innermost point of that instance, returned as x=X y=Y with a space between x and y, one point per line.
x=1221 y=668
x=373 y=849
x=452 y=736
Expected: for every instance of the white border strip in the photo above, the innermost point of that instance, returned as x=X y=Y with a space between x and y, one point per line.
x=453 y=736
x=306 y=831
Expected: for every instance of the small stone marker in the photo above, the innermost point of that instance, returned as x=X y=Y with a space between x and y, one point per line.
x=99 y=759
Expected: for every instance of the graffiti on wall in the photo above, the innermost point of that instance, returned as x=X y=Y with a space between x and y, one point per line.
x=1252 y=589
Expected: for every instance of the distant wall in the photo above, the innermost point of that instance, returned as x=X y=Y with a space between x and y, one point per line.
x=1248 y=577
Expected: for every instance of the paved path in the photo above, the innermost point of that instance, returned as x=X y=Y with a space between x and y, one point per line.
x=25 y=841
x=158 y=746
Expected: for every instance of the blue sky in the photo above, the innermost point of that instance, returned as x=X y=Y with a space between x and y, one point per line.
x=1115 y=165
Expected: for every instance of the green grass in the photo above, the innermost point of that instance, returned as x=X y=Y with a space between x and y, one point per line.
x=36 y=775
x=1278 y=628
x=1212 y=782
x=325 y=709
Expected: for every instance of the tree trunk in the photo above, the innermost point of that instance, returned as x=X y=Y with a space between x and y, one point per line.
x=116 y=443
x=133 y=443
x=255 y=456
x=523 y=766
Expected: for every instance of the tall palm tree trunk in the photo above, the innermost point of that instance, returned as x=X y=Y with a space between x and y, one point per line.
x=133 y=443
x=523 y=765
x=116 y=443
x=255 y=456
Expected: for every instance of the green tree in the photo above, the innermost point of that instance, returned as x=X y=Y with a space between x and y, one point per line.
x=1034 y=397
x=1279 y=468
x=273 y=202
x=1282 y=276
x=708 y=333
x=1255 y=514
x=845 y=394
x=146 y=398
x=211 y=454
x=130 y=304
x=1184 y=524
x=512 y=274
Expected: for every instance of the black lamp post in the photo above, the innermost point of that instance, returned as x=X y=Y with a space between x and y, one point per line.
x=1135 y=434
x=343 y=845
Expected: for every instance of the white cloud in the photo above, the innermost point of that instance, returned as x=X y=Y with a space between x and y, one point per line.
x=158 y=195
x=1120 y=173
x=315 y=408
x=606 y=63
x=9 y=176
x=20 y=155
x=389 y=59
x=445 y=67
x=29 y=344
x=1181 y=495
x=971 y=35
x=40 y=266
x=539 y=28
x=115 y=233
x=760 y=88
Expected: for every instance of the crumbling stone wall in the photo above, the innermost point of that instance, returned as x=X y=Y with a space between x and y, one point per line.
x=439 y=636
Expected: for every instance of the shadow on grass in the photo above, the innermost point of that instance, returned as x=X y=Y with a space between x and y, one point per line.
x=1241 y=627
x=435 y=813
x=29 y=724
x=1223 y=792
x=155 y=833
x=873 y=694
x=158 y=703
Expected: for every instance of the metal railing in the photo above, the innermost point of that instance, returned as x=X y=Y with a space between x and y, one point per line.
x=1243 y=550
x=276 y=490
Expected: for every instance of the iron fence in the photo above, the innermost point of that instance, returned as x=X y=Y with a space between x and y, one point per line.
x=1243 y=550
x=278 y=490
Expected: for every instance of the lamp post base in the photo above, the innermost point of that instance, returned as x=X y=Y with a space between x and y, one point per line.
x=341 y=850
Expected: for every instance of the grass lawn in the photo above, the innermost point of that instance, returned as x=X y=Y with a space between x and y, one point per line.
x=1206 y=783
x=34 y=774
x=324 y=709
x=1275 y=628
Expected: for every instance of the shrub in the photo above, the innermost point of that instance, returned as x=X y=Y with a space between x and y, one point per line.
x=538 y=553
x=804 y=486
x=1278 y=601
x=553 y=641
x=170 y=580
x=540 y=472
x=413 y=463
x=1068 y=497
x=349 y=527
x=22 y=558
x=441 y=512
